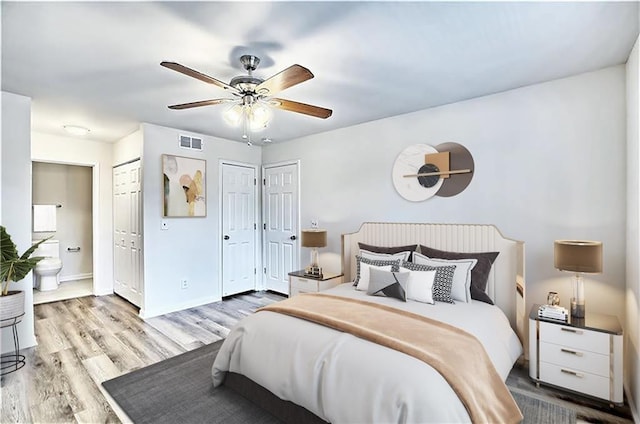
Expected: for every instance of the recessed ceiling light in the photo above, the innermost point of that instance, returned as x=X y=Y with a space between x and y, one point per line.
x=266 y=140
x=76 y=130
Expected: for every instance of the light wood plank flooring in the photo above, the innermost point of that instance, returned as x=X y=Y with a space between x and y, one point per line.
x=85 y=341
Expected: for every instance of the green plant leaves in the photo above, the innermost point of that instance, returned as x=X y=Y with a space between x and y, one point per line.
x=14 y=267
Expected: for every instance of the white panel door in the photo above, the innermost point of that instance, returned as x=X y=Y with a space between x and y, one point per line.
x=239 y=229
x=127 y=223
x=280 y=225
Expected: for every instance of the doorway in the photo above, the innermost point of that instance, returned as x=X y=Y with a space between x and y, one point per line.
x=281 y=211
x=239 y=227
x=68 y=189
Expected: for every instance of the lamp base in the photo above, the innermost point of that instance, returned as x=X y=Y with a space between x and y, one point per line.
x=313 y=271
x=577 y=308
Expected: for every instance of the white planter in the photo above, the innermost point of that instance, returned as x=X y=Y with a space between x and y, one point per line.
x=11 y=305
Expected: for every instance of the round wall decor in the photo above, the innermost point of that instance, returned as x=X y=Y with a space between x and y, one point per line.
x=421 y=171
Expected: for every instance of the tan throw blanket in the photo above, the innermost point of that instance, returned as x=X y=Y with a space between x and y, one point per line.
x=457 y=355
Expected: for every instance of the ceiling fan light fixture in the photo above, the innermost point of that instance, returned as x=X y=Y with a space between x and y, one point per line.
x=259 y=116
x=76 y=130
x=233 y=115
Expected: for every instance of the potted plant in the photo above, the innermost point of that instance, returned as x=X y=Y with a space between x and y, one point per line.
x=14 y=268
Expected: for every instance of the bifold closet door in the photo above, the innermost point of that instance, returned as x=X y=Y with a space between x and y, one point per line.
x=127 y=227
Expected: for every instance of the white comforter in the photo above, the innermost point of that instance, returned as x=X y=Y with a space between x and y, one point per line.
x=345 y=379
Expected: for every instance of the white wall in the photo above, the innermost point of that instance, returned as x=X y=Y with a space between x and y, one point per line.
x=190 y=248
x=632 y=325
x=549 y=164
x=70 y=150
x=128 y=148
x=16 y=200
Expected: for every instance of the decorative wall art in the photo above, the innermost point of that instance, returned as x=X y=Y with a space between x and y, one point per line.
x=421 y=171
x=184 y=186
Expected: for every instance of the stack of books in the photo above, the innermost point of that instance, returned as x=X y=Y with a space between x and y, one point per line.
x=553 y=312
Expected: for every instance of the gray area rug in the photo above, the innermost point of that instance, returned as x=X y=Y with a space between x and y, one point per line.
x=179 y=390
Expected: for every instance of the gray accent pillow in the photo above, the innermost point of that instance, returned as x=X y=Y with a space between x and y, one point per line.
x=395 y=265
x=479 y=273
x=442 y=283
x=388 y=250
x=388 y=283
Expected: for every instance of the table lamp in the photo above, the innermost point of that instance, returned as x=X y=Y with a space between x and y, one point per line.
x=314 y=238
x=578 y=256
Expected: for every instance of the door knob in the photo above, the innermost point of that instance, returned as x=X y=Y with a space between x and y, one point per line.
x=226 y=237
x=293 y=237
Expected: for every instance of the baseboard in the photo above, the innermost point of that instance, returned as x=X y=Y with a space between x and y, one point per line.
x=84 y=276
x=150 y=313
x=632 y=405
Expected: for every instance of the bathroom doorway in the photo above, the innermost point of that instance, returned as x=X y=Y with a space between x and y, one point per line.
x=62 y=199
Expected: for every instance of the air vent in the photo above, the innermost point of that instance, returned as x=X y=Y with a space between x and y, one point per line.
x=192 y=143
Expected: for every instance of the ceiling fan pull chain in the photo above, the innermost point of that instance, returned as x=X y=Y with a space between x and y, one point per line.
x=245 y=119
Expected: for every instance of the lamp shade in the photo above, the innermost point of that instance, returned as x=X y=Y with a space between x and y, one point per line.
x=578 y=256
x=314 y=238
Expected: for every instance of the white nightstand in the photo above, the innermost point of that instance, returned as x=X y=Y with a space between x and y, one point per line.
x=300 y=283
x=583 y=355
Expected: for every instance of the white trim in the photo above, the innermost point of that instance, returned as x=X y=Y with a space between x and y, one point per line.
x=258 y=283
x=146 y=314
x=76 y=277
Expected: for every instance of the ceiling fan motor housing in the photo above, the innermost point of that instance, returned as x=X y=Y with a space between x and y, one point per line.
x=249 y=62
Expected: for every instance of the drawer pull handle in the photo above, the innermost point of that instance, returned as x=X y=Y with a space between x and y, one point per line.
x=570 y=330
x=573 y=352
x=576 y=374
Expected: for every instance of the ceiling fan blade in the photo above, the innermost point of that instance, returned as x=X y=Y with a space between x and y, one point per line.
x=198 y=75
x=198 y=104
x=290 y=105
x=291 y=76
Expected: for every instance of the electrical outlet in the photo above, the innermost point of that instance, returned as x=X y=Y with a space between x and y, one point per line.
x=183 y=283
x=314 y=223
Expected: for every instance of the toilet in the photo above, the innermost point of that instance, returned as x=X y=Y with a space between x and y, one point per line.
x=48 y=269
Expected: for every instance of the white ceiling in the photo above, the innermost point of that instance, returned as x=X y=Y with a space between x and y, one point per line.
x=97 y=64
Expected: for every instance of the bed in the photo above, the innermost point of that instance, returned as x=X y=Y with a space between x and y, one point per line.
x=302 y=371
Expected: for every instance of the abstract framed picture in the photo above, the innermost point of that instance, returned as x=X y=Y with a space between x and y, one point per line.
x=184 y=184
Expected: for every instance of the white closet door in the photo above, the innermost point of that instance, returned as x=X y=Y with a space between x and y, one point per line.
x=281 y=244
x=127 y=224
x=239 y=229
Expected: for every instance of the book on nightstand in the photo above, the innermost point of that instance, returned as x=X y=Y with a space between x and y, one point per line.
x=553 y=312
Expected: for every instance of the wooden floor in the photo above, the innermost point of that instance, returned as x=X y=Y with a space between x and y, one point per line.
x=85 y=341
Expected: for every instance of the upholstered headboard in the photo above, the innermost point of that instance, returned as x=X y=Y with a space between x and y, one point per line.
x=506 y=280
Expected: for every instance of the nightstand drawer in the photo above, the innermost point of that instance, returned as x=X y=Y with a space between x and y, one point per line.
x=302 y=285
x=577 y=338
x=573 y=379
x=576 y=359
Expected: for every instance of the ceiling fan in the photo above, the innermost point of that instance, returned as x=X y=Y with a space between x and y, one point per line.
x=251 y=93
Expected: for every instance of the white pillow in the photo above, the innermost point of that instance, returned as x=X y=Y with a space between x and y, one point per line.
x=403 y=256
x=420 y=285
x=365 y=274
x=460 y=289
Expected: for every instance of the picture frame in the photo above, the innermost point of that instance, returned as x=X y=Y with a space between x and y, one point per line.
x=184 y=187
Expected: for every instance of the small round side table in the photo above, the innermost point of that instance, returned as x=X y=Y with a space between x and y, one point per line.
x=12 y=361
